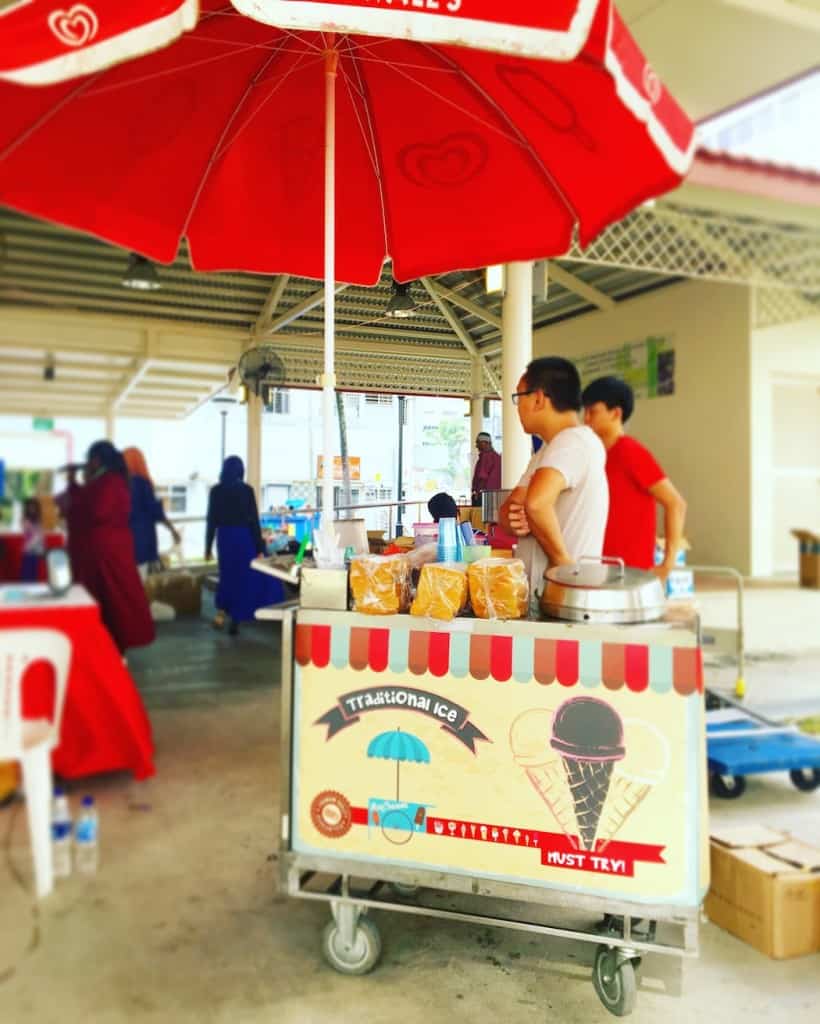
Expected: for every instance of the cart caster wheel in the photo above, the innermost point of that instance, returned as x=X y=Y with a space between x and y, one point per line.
x=807 y=779
x=361 y=957
x=403 y=890
x=727 y=787
x=614 y=981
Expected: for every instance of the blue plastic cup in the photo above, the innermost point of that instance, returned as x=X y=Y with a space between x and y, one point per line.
x=447 y=539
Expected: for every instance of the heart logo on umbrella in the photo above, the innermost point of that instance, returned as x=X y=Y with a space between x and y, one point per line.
x=546 y=101
x=651 y=84
x=450 y=162
x=74 y=27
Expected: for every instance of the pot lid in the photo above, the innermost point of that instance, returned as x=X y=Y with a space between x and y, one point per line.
x=600 y=574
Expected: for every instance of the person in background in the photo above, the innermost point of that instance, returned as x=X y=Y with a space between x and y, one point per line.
x=442 y=506
x=101 y=546
x=559 y=507
x=146 y=511
x=34 y=541
x=233 y=521
x=636 y=482
x=487 y=472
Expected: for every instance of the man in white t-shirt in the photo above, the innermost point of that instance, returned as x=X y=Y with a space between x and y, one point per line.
x=559 y=507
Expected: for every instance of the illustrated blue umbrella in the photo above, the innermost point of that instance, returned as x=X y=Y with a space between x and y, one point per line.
x=398 y=746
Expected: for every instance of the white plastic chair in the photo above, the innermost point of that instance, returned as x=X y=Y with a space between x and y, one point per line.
x=30 y=741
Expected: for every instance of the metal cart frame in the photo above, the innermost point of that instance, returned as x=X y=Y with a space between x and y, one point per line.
x=353 y=887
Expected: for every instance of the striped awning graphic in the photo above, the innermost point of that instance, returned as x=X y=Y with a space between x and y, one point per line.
x=519 y=658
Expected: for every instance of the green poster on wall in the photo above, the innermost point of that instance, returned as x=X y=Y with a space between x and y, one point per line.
x=647 y=365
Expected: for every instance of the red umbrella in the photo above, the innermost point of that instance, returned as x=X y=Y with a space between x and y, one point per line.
x=447 y=157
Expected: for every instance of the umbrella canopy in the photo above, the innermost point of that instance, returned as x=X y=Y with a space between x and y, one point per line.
x=446 y=157
x=398 y=746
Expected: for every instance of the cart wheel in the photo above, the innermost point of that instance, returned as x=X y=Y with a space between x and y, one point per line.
x=359 y=958
x=402 y=889
x=807 y=779
x=614 y=981
x=727 y=787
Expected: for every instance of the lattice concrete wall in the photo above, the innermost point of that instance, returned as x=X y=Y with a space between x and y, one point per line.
x=702 y=244
x=781 y=306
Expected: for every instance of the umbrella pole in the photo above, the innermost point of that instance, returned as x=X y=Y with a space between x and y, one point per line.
x=329 y=375
x=397 y=778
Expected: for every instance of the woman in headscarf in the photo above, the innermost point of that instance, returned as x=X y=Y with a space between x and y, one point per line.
x=233 y=521
x=101 y=547
x=146 y=511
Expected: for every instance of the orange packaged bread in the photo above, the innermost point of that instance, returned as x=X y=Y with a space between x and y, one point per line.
x=380 y=584
x=499 y=588
x=442 y=590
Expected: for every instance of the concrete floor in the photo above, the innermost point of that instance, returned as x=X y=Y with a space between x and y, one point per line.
x=182 y=923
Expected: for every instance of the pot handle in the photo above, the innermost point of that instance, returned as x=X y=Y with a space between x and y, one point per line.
x=604 y=560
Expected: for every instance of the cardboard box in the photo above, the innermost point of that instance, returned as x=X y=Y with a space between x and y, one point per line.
x=766 y=890
x=809 y=557
x=180 y=589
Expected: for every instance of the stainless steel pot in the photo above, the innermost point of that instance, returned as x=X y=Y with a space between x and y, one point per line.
x=602 y=590
x=491 y=502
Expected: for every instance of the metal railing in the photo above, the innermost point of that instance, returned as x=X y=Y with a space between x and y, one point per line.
x=391 y=507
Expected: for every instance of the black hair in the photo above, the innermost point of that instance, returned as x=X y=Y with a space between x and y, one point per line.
x=614 y=392
x=110 y=457
x=559 y=380
x=442 y=506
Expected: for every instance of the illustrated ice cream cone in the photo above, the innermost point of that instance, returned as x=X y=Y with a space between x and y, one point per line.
x=529 y=742
x=644 y=766
x=588 y=735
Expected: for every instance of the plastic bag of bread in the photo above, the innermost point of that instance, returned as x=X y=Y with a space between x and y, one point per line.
x=380 y=584
x=499 y=588
x=442 y=590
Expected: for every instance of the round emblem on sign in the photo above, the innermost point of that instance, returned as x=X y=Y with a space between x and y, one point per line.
x=330 y=813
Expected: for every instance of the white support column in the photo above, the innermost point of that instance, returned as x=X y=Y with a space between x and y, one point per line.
x=253 y=474
x=516 y=353
x=477 y=400
x=110 y=423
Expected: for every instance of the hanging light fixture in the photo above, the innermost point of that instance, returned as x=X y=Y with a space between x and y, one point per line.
x=141 y=274
x=401 y=302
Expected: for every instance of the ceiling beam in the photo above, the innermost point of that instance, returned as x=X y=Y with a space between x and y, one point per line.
x=460 y=330
x=466 y=304
x=265 y=317
x=311 y=302
x=130 y=381
x=574 y=284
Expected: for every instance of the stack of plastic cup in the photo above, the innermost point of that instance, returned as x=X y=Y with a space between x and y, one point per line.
x=449 y=537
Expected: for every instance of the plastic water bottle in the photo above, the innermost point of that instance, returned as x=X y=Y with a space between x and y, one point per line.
x=86 y=838
x=61 y=835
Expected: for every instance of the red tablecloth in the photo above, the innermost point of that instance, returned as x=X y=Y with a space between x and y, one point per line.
x=105 y=727
x=11 y=554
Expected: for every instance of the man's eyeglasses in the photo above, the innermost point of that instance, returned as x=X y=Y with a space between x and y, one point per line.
x=517 y=394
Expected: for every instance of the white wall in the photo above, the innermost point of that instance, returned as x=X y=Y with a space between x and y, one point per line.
x=784 y=358
x=701 y=434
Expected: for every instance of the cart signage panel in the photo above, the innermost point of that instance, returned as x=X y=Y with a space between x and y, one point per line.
x=503 y=750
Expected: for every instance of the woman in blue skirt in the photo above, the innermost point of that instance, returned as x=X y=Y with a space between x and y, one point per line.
x=233 y=521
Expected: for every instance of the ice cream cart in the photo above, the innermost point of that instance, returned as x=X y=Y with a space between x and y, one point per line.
x=548 y=767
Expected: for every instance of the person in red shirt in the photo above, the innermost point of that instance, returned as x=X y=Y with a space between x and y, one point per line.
x=636 y=482
x=487 y=472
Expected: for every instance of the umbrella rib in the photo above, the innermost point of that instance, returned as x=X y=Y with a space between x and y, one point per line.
x=521 y=138
x=299 y=66
x=215 y=153
x=47 y=116
x=375 y=151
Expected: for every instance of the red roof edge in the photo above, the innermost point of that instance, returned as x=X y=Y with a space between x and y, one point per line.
x=755 y=177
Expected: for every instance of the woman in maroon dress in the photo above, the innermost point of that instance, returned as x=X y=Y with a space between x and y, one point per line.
x=101 y=546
